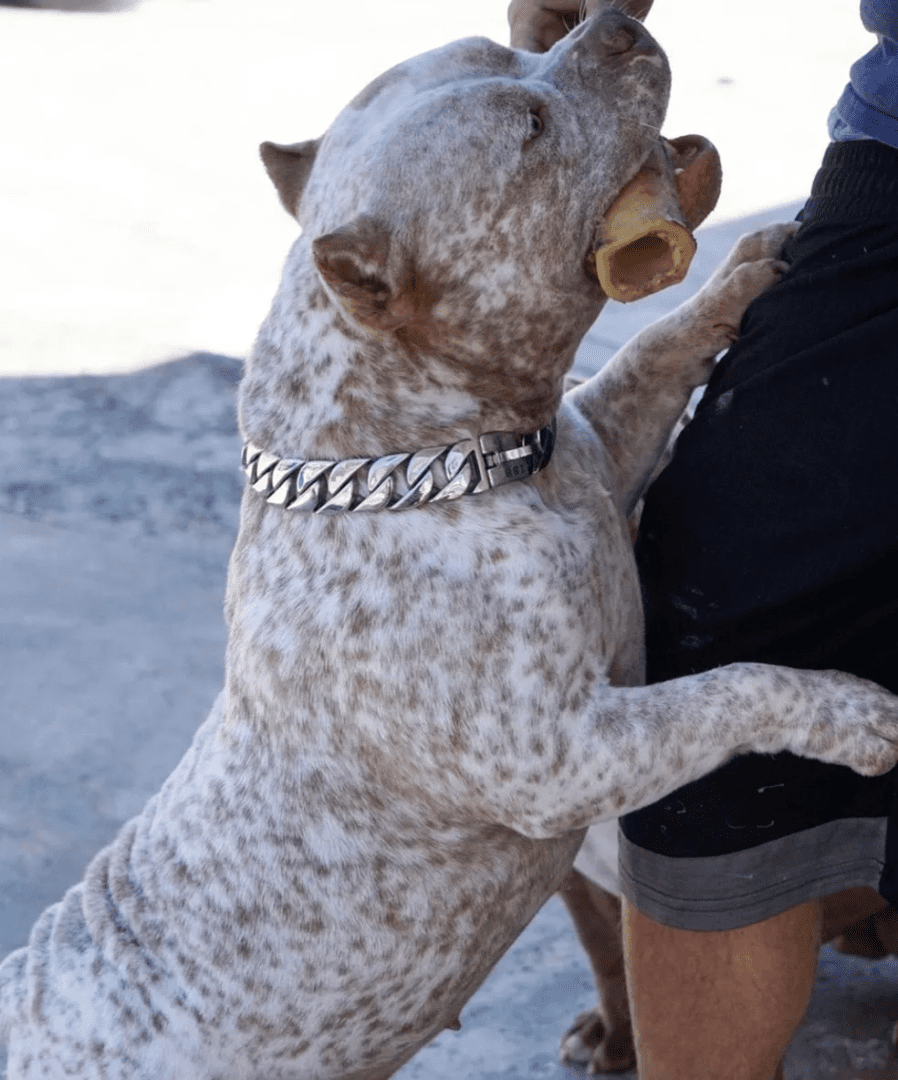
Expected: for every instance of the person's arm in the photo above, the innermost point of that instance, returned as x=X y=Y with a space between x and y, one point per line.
x=537 y=24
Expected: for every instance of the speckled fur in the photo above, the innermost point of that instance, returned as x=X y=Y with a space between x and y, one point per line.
x=422 y=710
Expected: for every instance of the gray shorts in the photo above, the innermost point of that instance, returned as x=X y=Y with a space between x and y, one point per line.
x=724 y=892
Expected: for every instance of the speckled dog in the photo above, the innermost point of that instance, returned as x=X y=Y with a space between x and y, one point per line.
x=423 y=708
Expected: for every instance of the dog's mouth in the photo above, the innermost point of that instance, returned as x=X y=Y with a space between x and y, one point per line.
x=643 y=242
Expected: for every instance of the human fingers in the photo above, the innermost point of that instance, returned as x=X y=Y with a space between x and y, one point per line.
x=537 y=24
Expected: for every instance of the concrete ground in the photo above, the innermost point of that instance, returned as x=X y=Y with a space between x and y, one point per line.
x=139 y=228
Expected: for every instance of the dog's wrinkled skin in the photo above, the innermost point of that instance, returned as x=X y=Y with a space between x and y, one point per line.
x=423 y=710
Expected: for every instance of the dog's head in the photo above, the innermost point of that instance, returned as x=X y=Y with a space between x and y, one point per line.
x=457 y=202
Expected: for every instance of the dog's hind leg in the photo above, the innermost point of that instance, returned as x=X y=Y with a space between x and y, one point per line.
x=601 y=1038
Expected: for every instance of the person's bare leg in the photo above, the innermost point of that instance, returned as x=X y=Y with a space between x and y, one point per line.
x=719 y=1005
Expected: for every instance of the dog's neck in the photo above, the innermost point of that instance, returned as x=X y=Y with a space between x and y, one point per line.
x=320 y=385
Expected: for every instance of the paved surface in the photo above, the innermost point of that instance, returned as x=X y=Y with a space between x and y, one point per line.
x=137 y=225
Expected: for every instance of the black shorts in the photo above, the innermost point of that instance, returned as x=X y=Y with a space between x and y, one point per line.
x=773 y=536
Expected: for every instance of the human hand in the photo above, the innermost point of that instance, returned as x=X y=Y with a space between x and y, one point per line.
x=537 y=24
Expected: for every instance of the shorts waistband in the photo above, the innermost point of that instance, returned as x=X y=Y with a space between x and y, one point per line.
x=857 y=180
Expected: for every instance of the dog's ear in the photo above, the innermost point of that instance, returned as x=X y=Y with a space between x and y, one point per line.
x=353 y=262
x=289 y=168
x=696 y=165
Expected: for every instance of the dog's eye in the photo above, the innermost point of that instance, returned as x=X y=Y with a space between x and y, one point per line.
x=535 y=122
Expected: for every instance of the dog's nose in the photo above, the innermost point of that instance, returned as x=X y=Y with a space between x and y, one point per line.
x=613 y=34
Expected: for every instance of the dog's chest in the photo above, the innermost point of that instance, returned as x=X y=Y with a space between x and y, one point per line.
x=411 y=667
x=404 y=622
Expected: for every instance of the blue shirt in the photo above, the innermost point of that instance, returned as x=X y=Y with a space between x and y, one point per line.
x=868 y=107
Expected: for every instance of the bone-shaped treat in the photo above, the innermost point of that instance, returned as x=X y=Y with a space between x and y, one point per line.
x=647 y=241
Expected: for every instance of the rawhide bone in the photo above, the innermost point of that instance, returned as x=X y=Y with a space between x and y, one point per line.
x=646 y=237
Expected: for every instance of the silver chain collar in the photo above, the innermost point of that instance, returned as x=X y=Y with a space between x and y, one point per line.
x=398 y=481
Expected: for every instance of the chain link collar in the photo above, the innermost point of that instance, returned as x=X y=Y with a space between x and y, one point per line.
x=398 y=481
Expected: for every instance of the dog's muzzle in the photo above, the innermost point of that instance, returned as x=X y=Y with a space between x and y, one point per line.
x=399 y=481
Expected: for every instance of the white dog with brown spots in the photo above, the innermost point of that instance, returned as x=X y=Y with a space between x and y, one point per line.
x=424 y=708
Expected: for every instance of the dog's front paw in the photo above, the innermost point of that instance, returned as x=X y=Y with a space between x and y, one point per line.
x=766 y=243
x=591 y=1042
x=854 y=724
x=750 y=268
